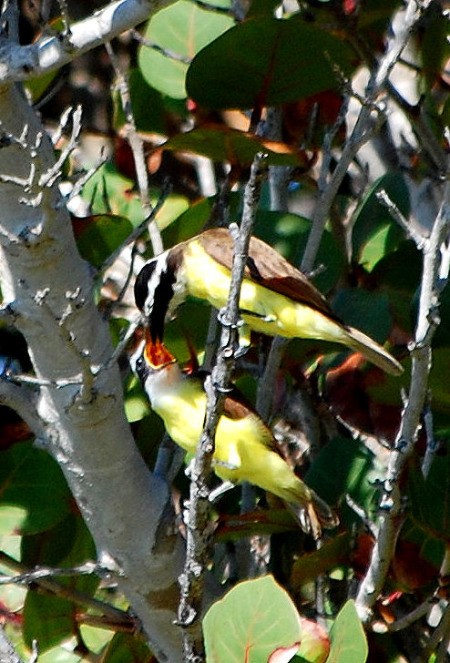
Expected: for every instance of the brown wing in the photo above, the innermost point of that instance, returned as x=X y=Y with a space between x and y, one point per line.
x=266 y=267
x=237 y=407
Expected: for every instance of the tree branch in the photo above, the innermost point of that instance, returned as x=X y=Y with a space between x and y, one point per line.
x=362 y=129
x=198 y=526
x=45 y=578
x=427 y=323
x=49 y=291
x=137 y=147
x=20 y=400
x=7 y=651
x=50 y=52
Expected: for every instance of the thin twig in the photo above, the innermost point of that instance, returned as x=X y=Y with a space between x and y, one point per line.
x=402 y=221
x=417 y=117
x=64 y=15
x=88 y=568
x=198 y=527
x=362 y=129
x=140 y=229
x=432 y=443
x=391 y=504
x=49 y=178
x=64 y=591
x=439 y=639
x=172 y=55
x=137 y=147
x=420 y=611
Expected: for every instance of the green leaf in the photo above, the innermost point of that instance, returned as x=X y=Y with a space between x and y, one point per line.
x=147 y=105
x=348 y=640
x=254 y=620
x=375 y=233
x=32 y=480
x=354 y=472
x=332 y=553
x=125 y=648
x=399 y=283
x=102 y=235
x=435 y=48
x=52 y=619
x=183 y=29
x=262 y=8
x=109 y=192
x=430 y=497
x=438 y=381
x=367 y=311
x=47 y=619
x=220 y=143
x=254 y=64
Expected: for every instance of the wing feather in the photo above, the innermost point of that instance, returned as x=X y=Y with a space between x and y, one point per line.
x=268 y=268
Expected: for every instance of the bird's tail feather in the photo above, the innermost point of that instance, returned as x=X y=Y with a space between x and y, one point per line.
x=372 y=351
x=314 y=515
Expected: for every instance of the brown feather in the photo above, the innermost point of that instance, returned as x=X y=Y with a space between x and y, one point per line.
x=268 y=268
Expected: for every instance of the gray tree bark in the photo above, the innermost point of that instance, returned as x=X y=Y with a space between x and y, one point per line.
x=47 y=295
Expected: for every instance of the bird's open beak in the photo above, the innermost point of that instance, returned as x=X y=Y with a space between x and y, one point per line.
x=156 y=354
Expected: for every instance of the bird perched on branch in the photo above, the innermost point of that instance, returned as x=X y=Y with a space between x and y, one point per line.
x=276 y=298
x=245 y=449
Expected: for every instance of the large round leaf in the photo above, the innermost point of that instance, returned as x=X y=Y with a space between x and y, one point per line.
x=182 y=30
x=265 y=61
x=348 y=640
x=257 y=621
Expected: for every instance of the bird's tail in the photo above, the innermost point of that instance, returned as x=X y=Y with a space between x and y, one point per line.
x=313 y=515
x=374 y=352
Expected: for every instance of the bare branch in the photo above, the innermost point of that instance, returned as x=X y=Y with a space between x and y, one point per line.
x=53 y=51
x=440 y=639
x=65 y=15
x=7 y=651
x=50 y=585
x=50 y=177
x=362 y=129
x=427 y=323
x=21 y=401
x=421 y=611
x=396 y=214
x=46 y=572
x=198 y=528
x=137 y=147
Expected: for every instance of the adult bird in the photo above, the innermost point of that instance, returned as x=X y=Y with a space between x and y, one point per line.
x=276 y=298
x=245 y=449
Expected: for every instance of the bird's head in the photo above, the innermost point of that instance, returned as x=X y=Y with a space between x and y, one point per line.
x=154 y=290
x=151 y=357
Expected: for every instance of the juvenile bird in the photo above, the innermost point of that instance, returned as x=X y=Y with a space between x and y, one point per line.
x=276 y=298
x=245 y=449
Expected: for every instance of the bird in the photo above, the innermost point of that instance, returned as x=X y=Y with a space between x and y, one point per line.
x=245 y=449
x=276 y=298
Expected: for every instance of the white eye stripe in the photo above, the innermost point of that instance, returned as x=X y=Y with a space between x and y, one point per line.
x=160 y=268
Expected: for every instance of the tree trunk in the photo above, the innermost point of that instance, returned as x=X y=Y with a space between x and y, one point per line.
x=48 y=289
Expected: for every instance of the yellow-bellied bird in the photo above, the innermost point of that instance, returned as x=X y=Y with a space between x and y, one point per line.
x=276 y=298
x=245 y=449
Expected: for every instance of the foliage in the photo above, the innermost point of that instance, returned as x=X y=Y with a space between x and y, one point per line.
x=207 y=63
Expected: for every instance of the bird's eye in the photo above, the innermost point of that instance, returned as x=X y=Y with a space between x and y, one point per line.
x=140 y=367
